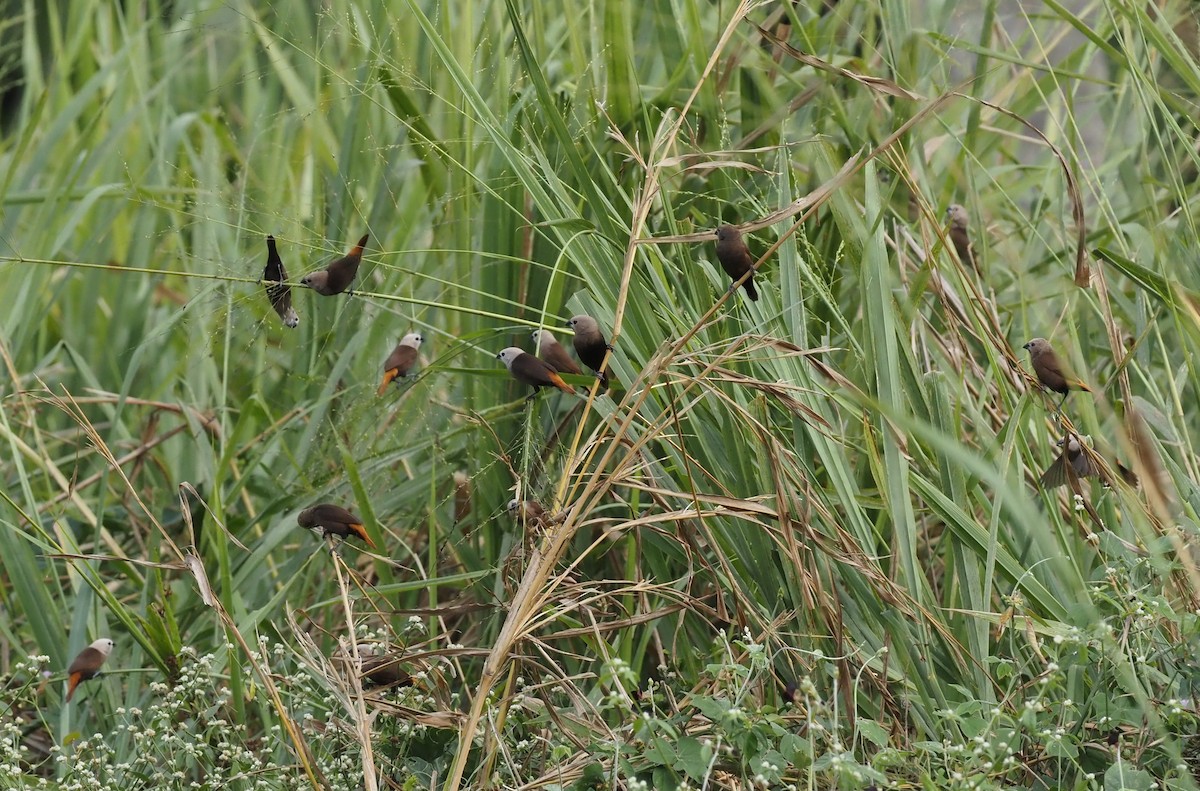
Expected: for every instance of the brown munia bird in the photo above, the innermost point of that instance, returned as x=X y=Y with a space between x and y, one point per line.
x=1050 y=370
x=87 y=664
x=401 y=360
x=959 y=237
x=735 y=258
x=528 y=513
x=552 y=353
x=1072 y=462
x=529 y=370
x=590 y=344
x=384 y=670
x=1075 y=461
x=333 y=520
x=278 y=292
x=339 y=274
x=462 y=496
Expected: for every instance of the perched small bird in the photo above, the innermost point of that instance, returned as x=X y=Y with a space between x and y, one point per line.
x=333 y=520
x=87 y=664
x=1050 y=370
x=590 y=344
x=552 y=353
x=735 y=258
x=462 y=496
x=384 y=670
x=958 y=218
x=278 y=292
x=529 y=370
x=401 y=360
x=527 y=513
x=1072 y=460
x=339 y=274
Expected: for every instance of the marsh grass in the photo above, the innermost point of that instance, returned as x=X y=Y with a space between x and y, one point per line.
x=798 y=545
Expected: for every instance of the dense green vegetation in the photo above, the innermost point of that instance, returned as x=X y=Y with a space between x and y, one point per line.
x=798 y=544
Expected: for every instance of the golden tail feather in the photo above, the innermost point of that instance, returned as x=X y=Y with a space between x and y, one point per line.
x=361 y=532
x=561 y=385
x=388 y=376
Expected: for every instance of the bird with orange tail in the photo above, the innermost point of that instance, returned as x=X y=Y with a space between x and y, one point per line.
x=401 y=360
x=337 y=276
x=333 y=520
x=1051 y=371
x=529 y=370
x=87 y=664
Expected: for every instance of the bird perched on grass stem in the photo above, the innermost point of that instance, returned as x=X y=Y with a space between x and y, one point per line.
x=337 y=276
x=527 y=513
x=278 y=292
x=529 y=370
x=959 y=237
x=333 y=520
x=590 y=344
x=87 y=664
x=735 y=258
x=1051 y=371
x=401 y=360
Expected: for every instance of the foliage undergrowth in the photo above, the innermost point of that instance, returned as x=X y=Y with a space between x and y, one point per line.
x=800 y=542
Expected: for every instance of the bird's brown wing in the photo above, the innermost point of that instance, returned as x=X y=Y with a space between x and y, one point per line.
x=279 y=295
x=962 y=246
x=88 y=661
x=1055 y=474
x=273 y=272
x=397 y=364
x=1049 y=370
x=326 y=513
x=554 y=355
x=336 y=519
x=530 y=370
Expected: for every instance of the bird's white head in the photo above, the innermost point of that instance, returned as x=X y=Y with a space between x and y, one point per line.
x=507 y=356
x=583 y=324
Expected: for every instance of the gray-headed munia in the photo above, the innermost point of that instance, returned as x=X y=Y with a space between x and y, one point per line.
x=959 y=237
x=337 y=276
x=87 y=664
x=1051 y=371
x=278 y=292
x=529 y=370
x=401 y=360
x=590 y=344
